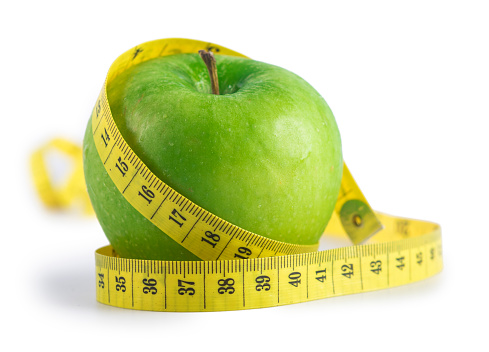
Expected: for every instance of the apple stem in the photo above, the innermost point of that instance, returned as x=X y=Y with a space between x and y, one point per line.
x=210 y=62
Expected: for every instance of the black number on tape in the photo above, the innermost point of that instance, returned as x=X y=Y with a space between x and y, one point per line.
x=246 y=252
x=296 y=278
x=213 y=238
x=419 y=258
x=184 y=290
x=347 y=270
x=98 y=108
x=319 y=277
x=226 y=286
x=101 y=283
x=149 y=286
x=147 y=194
x=376 y=267
x=121 y=283
x=105 y=137
x=401 y=264
x=176 y=214
x=263 y=283
x=122 y=166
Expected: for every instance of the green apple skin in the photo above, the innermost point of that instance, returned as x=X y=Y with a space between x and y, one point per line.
x=264 y=155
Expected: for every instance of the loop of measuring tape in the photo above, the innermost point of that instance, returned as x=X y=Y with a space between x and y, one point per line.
x=72 y=189
x=274 y=273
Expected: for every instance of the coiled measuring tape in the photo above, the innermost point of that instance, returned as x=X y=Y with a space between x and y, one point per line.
x=244 y=270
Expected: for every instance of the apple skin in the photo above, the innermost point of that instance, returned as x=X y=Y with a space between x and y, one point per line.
x=264 y=155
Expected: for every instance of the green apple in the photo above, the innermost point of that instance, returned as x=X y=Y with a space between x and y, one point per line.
x=264 y=154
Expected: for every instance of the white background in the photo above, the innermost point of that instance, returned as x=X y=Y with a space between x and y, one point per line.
x=408 y=82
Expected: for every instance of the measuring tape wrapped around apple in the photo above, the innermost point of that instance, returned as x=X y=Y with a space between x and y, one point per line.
x=214 y=193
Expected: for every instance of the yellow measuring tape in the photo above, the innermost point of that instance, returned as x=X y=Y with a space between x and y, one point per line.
x=244 y=270
x=72 y=189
